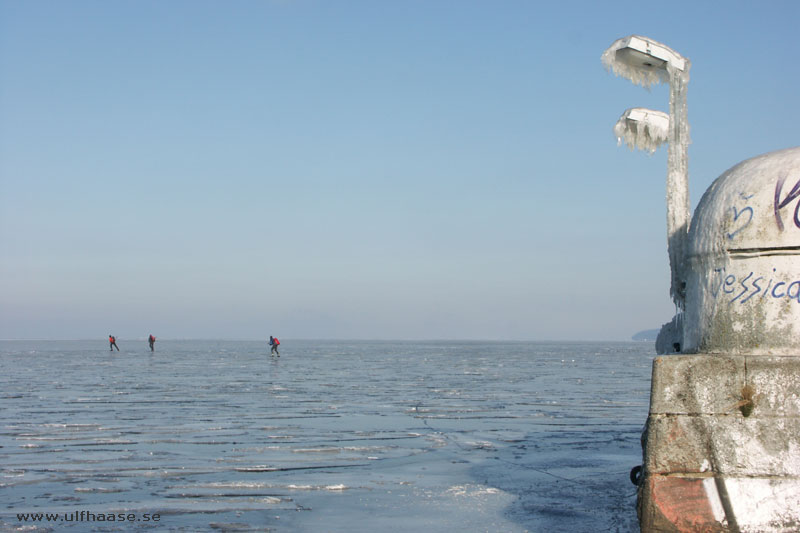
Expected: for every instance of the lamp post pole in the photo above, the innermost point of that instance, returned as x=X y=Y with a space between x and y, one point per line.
x=678 y=207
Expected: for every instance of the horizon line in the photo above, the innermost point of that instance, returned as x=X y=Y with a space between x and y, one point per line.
x=318 y=339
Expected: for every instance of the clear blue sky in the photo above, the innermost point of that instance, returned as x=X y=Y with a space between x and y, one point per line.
x=358 y=169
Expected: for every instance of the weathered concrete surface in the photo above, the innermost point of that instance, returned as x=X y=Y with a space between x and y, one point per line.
x=707 y=466
x=687 y=384
x=694 y=504
x=743 y=254
x=725 y=444
x=680 y=504
x=776 y=381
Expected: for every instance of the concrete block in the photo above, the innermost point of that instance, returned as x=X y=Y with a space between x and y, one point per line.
x=776 y=381
x=680 y=504
x=764 y=505
x=692 y=504
x=696 y=384
x=707 y=466
x=728 y=445
x=676 y=444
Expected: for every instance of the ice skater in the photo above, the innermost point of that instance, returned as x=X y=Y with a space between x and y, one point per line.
x=274 y=342
x=112 y=343
x=152 y=341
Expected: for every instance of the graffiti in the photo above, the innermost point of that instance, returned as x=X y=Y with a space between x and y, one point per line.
x=743 y=289
x=737 y=213
x=790 y=197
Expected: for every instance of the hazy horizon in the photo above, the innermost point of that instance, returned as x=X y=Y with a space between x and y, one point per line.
x=288 y=340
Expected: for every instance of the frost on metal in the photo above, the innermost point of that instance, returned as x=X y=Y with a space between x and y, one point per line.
x=643 y=61
x=678 y=204
x=642 y=129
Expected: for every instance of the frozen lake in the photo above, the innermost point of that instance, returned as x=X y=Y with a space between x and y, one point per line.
x=331 y=436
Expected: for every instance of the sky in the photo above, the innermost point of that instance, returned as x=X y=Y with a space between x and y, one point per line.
x=359 y=169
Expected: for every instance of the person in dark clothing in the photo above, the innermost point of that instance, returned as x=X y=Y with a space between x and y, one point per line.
x=112 y=343
x=152 y=341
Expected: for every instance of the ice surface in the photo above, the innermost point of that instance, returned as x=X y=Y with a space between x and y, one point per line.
x=335 y=436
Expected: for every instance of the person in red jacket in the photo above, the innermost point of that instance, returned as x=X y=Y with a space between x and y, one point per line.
x=112 y=343
x=274 y=342
x=152 y=341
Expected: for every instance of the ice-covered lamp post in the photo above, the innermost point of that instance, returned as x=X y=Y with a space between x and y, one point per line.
x=646 y=62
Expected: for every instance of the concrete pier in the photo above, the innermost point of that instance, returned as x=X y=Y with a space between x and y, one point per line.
x=722 y=445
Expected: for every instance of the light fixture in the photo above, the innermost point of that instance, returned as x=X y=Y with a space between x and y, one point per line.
x=642 y=129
